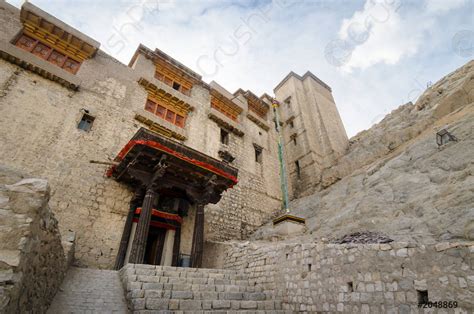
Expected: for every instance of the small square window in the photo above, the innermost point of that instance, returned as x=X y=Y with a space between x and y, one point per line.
x=179 y=121
x=41 y=51
x=86 y=122
x=185 y=91
x=176 y=86
x=25 y=42
x=159 y=76
x=170 y=115
x=150 y=106
x=224 y=137
x=258 y=154
x=71 y=66
x=160 y=111
x=422 y=296
x=167 y=81
x=57 y=58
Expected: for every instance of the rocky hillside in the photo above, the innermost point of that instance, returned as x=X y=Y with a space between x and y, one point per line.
x=396 y=181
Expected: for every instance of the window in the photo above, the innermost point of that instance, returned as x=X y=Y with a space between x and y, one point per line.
x=176 y=86
x=160 y=111
x=150 y=106
x=292 y=124
x=170 y=116
x=298 y=169
x=165 y=113
x=350 y=286
x=224 y=137
x=179 y=121
x=185 y=89
x=295 y=141
x=45 y=52
x=422 y=296
x=86 y=122
x=258 y=154
x=288 y=101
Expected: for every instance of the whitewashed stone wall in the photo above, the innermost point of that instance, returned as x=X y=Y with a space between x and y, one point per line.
x=350 y=278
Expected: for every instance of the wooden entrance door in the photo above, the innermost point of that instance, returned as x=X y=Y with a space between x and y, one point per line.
x=154 y=245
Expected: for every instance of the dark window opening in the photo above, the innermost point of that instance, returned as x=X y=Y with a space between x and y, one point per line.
x=292 y=124
x=258 y=154
x=350 y=286
x=287 y=255
x=288 y=101
x=298 y=169
x=309 y=267
x=86 y=122
x=224 y=137
x=295 y=141
x=422 y=296
x=176 y=86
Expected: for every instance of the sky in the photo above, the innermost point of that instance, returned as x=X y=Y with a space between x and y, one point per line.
x=375 y=54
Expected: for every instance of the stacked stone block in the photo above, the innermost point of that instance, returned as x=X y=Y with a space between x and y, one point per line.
x=32 y=260
x=358 y=278
x=176 y=290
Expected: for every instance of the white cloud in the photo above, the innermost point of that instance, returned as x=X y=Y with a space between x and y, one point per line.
x=443 y=6
x=380 y=33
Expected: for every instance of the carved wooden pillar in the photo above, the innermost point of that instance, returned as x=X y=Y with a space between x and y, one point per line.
x=176 y=245
x=177 y=236
x=141 y=235
x=198 y=237
x=122 y=252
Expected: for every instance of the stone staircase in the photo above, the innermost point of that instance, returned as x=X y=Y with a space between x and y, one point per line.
x=87 y=290
x=161 y=289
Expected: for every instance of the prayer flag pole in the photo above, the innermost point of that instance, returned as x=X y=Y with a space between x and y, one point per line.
x=281 y=157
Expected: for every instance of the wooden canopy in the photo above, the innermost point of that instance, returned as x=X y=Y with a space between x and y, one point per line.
x=189 y=170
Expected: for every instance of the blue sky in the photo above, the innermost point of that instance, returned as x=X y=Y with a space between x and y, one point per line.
x=375 y=54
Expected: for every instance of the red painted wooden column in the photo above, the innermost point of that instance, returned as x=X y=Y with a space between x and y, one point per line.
x=141 y=235
x=198 y=237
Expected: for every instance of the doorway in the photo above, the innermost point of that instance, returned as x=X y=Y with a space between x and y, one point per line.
x=154 y=245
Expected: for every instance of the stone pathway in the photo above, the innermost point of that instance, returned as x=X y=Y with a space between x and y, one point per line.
x=90 y=291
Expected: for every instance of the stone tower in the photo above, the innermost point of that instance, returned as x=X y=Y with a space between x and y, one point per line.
x=313 y=131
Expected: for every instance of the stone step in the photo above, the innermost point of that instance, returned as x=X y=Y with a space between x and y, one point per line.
x=198 y=295
x=140 y=285
x=90 y=291
x=190 y=273
x=159 y=289
x=158 y=304
x=214 y=312
x=182 y=269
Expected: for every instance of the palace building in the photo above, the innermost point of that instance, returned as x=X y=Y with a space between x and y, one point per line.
x=146 y=161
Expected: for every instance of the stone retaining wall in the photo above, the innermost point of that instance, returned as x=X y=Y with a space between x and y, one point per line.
x=366 y=278
x=32 y=260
